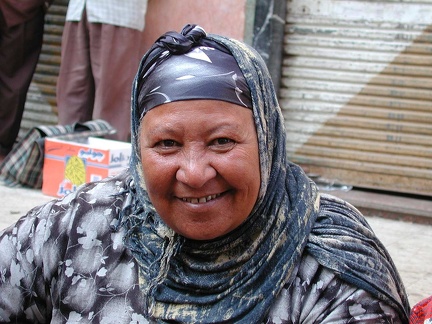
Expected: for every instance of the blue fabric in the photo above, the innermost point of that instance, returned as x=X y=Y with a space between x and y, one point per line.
x=237 y=277
x=343 y=241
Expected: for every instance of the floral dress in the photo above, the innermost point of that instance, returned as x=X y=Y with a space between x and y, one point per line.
x=65 y=263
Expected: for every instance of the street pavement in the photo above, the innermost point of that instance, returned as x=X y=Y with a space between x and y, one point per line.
x=409 y=244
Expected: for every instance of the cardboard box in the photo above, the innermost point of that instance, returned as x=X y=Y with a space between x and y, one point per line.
x=70 y=163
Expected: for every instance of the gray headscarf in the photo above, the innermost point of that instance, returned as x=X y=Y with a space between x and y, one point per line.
x=238 y=276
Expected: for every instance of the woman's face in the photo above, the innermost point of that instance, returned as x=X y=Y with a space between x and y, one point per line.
x=201 y=165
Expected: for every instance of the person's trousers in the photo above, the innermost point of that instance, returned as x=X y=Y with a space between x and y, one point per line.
x=98 y=65
x=20 y=47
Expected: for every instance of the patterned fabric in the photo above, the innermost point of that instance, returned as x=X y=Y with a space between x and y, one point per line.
x=203 y=73
x=129 y=13
x=23 y=165
x=66 y=262
x=421 y=313
x=342 y=241
x=103 y=254
x=317 y=295
x=238 y=277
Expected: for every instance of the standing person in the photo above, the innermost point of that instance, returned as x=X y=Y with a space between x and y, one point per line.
x=211 y=223
x=101 y=45
x=21 y=35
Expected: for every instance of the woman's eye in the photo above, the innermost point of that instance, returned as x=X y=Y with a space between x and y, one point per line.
x=167 y=143
x=223 y=141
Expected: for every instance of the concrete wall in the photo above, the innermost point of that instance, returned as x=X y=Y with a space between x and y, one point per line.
x=225 y=17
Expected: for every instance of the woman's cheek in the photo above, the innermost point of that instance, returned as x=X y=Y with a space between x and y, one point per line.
x=157 y=167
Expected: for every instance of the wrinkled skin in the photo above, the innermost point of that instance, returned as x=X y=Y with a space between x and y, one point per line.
x=201 y=165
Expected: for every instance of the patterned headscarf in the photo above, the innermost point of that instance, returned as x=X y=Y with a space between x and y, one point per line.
x=202 y=73
x=238 y=276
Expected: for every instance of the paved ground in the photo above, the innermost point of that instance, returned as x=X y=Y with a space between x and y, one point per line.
x=409 y=244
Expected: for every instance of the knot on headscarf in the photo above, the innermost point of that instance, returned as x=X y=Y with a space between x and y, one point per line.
x=189 y=66
x=180 y=43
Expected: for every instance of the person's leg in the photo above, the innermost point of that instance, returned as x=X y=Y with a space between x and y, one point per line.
x=75 y=84
x=116 y=52
x=20 y=47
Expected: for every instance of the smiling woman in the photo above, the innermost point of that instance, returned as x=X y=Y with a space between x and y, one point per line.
x=211 y=223
x=201 y=166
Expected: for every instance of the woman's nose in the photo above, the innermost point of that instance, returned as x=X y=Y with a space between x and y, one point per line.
x=195 y=169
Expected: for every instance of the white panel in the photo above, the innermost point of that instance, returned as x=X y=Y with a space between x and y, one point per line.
x=418 y=12
x=356 y=91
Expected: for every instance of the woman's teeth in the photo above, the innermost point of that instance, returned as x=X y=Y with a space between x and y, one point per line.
x=200 y=200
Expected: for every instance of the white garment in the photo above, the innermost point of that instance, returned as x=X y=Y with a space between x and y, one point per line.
x=124 y=13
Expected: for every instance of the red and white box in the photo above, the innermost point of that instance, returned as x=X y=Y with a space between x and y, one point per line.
x=70 y=163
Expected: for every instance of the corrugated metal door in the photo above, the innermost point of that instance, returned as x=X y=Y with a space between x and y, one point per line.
x=356 y=91
x=41 y=106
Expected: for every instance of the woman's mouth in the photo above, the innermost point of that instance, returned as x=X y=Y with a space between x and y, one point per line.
x=200 y=200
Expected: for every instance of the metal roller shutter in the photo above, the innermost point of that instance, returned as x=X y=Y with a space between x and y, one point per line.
x=356 y=91
x=41 y=106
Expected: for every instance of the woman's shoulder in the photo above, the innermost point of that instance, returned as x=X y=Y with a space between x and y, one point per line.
x=111 y=190
x=68 y=243
x=336 y=204
x=338 y=211
x=342 y=240
x=99 y=203
x=96 y=204
x=318 y=295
